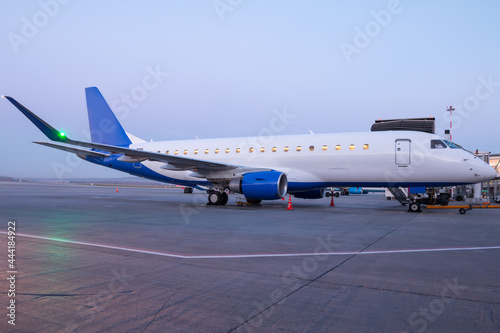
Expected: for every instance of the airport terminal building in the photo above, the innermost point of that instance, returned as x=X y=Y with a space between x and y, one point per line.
x=493 y=187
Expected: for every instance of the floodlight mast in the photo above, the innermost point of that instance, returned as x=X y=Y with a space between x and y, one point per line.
x=451 y=109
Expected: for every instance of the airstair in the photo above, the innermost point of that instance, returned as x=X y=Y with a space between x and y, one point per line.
x=400 y=194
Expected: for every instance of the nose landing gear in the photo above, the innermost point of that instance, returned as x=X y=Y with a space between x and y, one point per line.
x=414 y=207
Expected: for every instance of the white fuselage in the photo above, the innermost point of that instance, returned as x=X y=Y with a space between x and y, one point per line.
x=391 y=158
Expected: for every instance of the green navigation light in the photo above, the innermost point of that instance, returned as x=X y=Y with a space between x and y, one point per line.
x=62 y=134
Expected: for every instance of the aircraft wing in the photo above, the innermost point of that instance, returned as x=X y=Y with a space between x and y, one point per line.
x=174 y=162
x=80 y=152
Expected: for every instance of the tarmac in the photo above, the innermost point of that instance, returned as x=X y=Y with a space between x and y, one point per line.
x=91 y=259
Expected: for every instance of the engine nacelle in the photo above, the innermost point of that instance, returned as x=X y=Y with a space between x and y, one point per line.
x=262 y=185
x=312 y=194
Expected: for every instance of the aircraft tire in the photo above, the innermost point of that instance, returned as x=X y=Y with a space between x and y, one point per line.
x=225 y=199
x=254 y=201
x=414 y=207
x=214 y=198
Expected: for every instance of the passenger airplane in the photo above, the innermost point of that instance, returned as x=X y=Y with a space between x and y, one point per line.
x=302 y=165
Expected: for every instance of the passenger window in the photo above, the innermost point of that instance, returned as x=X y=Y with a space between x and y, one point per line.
x=185 y=152
x=238 y=150
x=216 y=150
x=274 y=149
x=437 y=144
x=351 y=147
x=167 y=152
x=227 y=150
x=251 y=150
x=366 y=146
x=206 y=151
x=311 y=148
x=176 y=152
x=337 y=147
x=286 y=148
x=159 y=151
x=299 y=148
x=196 y=151
x=325 y=148
x=262 y=149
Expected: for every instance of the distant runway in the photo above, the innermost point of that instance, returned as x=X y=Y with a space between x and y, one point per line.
x=89 y=259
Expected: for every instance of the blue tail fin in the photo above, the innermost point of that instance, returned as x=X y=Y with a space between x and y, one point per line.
x=104 y=127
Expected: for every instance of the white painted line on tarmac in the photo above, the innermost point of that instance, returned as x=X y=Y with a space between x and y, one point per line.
x=263 y=255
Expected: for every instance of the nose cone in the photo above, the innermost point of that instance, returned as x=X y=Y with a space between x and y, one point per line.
x=486 y=172
x=490 y=173
x=482 y=171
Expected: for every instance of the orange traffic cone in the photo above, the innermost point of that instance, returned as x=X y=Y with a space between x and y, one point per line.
x=289 y=207
x=331 y=203
x=117 y=190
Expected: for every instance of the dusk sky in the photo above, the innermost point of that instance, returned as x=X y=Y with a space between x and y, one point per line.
x=186 y=69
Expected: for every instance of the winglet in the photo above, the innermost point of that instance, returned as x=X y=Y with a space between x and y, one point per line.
x=48 y=130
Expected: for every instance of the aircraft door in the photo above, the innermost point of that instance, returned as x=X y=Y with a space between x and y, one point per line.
x=403 y=152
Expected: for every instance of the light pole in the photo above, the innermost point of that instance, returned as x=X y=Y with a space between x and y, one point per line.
x=451 y=109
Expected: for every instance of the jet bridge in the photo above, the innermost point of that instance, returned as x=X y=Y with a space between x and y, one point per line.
x=426 y=125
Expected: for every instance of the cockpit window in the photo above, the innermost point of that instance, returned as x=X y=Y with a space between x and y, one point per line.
x=452 y=145
x=437 y=144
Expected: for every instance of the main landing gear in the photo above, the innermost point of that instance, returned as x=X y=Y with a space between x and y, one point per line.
x=220 y=198
x=217 y=198
x=254 y=201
